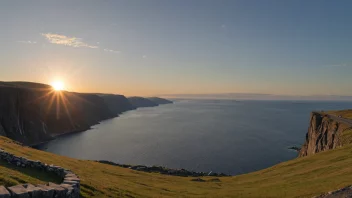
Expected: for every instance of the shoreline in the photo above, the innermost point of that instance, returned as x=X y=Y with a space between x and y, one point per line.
x=164 y=170
x=53 y=137
x=58 y=135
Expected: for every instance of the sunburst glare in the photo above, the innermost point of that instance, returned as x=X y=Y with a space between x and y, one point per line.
x=57 y=85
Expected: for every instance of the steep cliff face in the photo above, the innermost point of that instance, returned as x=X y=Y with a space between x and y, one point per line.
x=32 y=115
x=32 y=112
x=324 y=133
x=117 y=103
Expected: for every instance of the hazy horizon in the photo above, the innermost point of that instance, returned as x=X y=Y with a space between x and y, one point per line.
x=147 y=48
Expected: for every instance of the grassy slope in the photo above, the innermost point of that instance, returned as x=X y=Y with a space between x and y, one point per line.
x=344 y=113
x=302 y=177
x=346 y=136
x=12 y=175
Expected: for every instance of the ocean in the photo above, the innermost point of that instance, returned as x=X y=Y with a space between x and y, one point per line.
x=228 y=136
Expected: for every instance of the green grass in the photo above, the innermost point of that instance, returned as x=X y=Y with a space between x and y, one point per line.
x=11 y=175
x=343 y=113
x=301 y=177
x=346 y=137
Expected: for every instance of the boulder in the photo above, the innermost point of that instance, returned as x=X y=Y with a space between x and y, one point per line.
x=4 y=193
x=59 y=190
x=33 y=191
x=72 y=192
x=72 y=179
x=48 y=191
x=68 y=187
x=18 y=191
x=72 y=183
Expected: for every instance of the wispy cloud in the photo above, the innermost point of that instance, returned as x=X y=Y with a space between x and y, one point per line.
x=338 y=65
x=27 y=42
x=65 y=40
x=112 y=51
x=144 y=56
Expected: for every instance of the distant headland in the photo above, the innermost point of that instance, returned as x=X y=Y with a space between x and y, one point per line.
x=32 y=113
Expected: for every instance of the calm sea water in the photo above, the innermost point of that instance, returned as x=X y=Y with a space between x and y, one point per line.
x=202 y=135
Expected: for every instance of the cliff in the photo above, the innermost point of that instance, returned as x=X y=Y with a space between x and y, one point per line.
x=160 y=101
x=117 y=103
x=325 y=132
x=32 y=112
x=35 y=114
x=147 y=102
x=141 y=102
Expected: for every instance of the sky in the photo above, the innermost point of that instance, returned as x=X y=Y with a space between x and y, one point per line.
x=158 y=47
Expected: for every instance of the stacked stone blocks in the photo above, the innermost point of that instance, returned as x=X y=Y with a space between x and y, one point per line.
x=69 y=188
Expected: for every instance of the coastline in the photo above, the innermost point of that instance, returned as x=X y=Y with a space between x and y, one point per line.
x=59 y=135
x=164 y=170
x=53 y=137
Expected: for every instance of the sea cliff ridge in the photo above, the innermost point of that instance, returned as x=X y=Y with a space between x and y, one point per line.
x=32 y=113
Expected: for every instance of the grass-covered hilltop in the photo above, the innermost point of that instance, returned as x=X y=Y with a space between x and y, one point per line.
x=28 y=116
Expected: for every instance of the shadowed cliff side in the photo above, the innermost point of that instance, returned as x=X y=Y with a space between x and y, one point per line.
x=147 y=102
x=159 y=101
x=32 y=113
x=117 y=103
x=35 y=114
x=325 y=132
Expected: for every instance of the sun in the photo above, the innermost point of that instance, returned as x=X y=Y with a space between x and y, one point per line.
x=58 y=85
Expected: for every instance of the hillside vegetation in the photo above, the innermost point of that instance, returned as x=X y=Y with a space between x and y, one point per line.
x=301 y=177
x=343 y=113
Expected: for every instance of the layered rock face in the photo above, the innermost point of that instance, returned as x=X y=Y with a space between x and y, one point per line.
x=323 y=134
x=33 y=115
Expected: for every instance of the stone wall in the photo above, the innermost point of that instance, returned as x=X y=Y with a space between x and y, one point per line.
x=69 y=188
x=343 y=192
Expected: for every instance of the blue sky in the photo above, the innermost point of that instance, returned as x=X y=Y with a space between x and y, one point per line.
x=150 y=47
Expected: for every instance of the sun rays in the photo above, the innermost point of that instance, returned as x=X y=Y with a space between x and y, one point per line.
x=59 y=104
x=58 y=85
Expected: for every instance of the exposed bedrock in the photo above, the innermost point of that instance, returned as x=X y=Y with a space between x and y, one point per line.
x=324 y=133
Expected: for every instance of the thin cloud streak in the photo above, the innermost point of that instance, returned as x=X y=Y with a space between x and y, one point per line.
x=27 y=42
x=67 y=41
x=112 y=51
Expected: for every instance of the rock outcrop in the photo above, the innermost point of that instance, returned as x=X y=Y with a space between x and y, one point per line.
x=324 y=133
